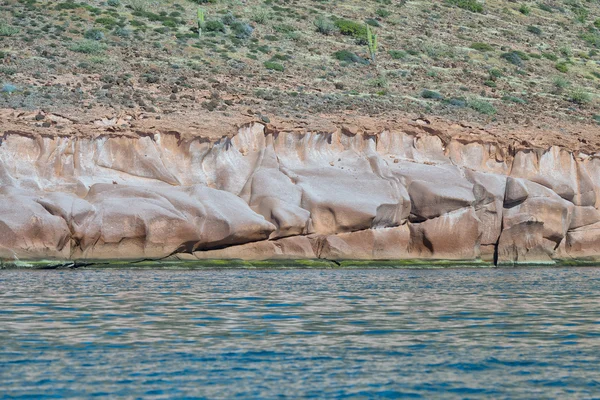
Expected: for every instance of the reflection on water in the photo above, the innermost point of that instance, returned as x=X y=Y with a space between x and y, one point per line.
x=526 y=333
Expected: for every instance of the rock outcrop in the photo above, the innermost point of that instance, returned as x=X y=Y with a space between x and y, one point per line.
x=268 y=194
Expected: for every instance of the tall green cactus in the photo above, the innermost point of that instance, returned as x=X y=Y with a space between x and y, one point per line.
x=200 y=21
x=372 y=43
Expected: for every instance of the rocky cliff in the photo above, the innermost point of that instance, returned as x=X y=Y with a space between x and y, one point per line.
x=263 y=193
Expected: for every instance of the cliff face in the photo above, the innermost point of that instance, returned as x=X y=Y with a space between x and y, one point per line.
x=265 y=194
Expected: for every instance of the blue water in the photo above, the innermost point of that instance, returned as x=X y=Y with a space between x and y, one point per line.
x=462 y=333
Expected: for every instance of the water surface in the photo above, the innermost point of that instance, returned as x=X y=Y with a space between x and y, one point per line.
x=464 y=333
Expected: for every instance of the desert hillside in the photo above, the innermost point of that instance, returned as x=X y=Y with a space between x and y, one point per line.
x=493 y=62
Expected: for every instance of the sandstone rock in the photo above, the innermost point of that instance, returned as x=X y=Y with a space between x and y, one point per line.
x=455 y=235
x=369 y=244
x=534 y=227
x=28 y=230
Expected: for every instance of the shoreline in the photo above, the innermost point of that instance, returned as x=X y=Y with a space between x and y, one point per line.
x=285 y=264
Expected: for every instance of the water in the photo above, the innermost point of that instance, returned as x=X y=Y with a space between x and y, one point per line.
x=464 y=333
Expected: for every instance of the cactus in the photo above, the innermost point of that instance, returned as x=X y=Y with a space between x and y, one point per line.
x=200 y=21
x=372 y=42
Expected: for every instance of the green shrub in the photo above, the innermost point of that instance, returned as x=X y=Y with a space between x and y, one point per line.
x=495 y=73
x=524 y=9
x=241 y=30
x=7 y=30
x=545 y=7
x=67 y=5
x=108 y=22
x=580 y=96
x=550 y=56
x=457 y=102
x=214 y=26
x=431 y=94
x=260 y=16
x=379 y=82
x=398 y=54
x=514 y=99
x=88 y=47
x=469 y=5
x=581 y=13
x=372 y=22
x=94 y=34
x=513 y=57
x=382 y=12
x=114 y=3
x=481 y=46
x=534 y=29
x=284 y=28
x=591 y=38
x=348 y=56
x=560 y=83
x=562 y=67
x=351 y=28
x=481 y=106
x=270 y=65
x=325 y=26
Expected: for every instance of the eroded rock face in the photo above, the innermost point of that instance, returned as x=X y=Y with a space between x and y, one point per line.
x=270 y=195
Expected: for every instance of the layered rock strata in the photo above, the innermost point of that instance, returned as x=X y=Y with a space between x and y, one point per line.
x=265 y=194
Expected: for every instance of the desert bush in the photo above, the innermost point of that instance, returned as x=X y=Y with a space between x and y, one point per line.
x=114 y=3
x=513 y=99
x=398 y=54
x=382 y=12
x=241 y=30
x=325 y=26
x=431 y=94
x=259 y=15
x=524 y=9
x=351 y=28
x=348 y=56
x=562 y=67
x=550 y=56
x=469 y=5
x=481 y=46
x=379 y=82
x=7 y=30
x=482 y=106
x=534 y=29
x=372 y=22
x=94 y=34
x=228 y=19
x=139 y=5
x=580 y=96
x=513 y=57
x=271 y=65
x=88 y=47
x=214 y=26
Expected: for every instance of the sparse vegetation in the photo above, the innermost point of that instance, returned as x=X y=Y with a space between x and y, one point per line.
x=487 y=57
x=470 y=5
x=482 y=106
x=274 y=66
x=481 y=46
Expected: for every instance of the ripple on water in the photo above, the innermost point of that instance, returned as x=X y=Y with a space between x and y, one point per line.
x=516 y=333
